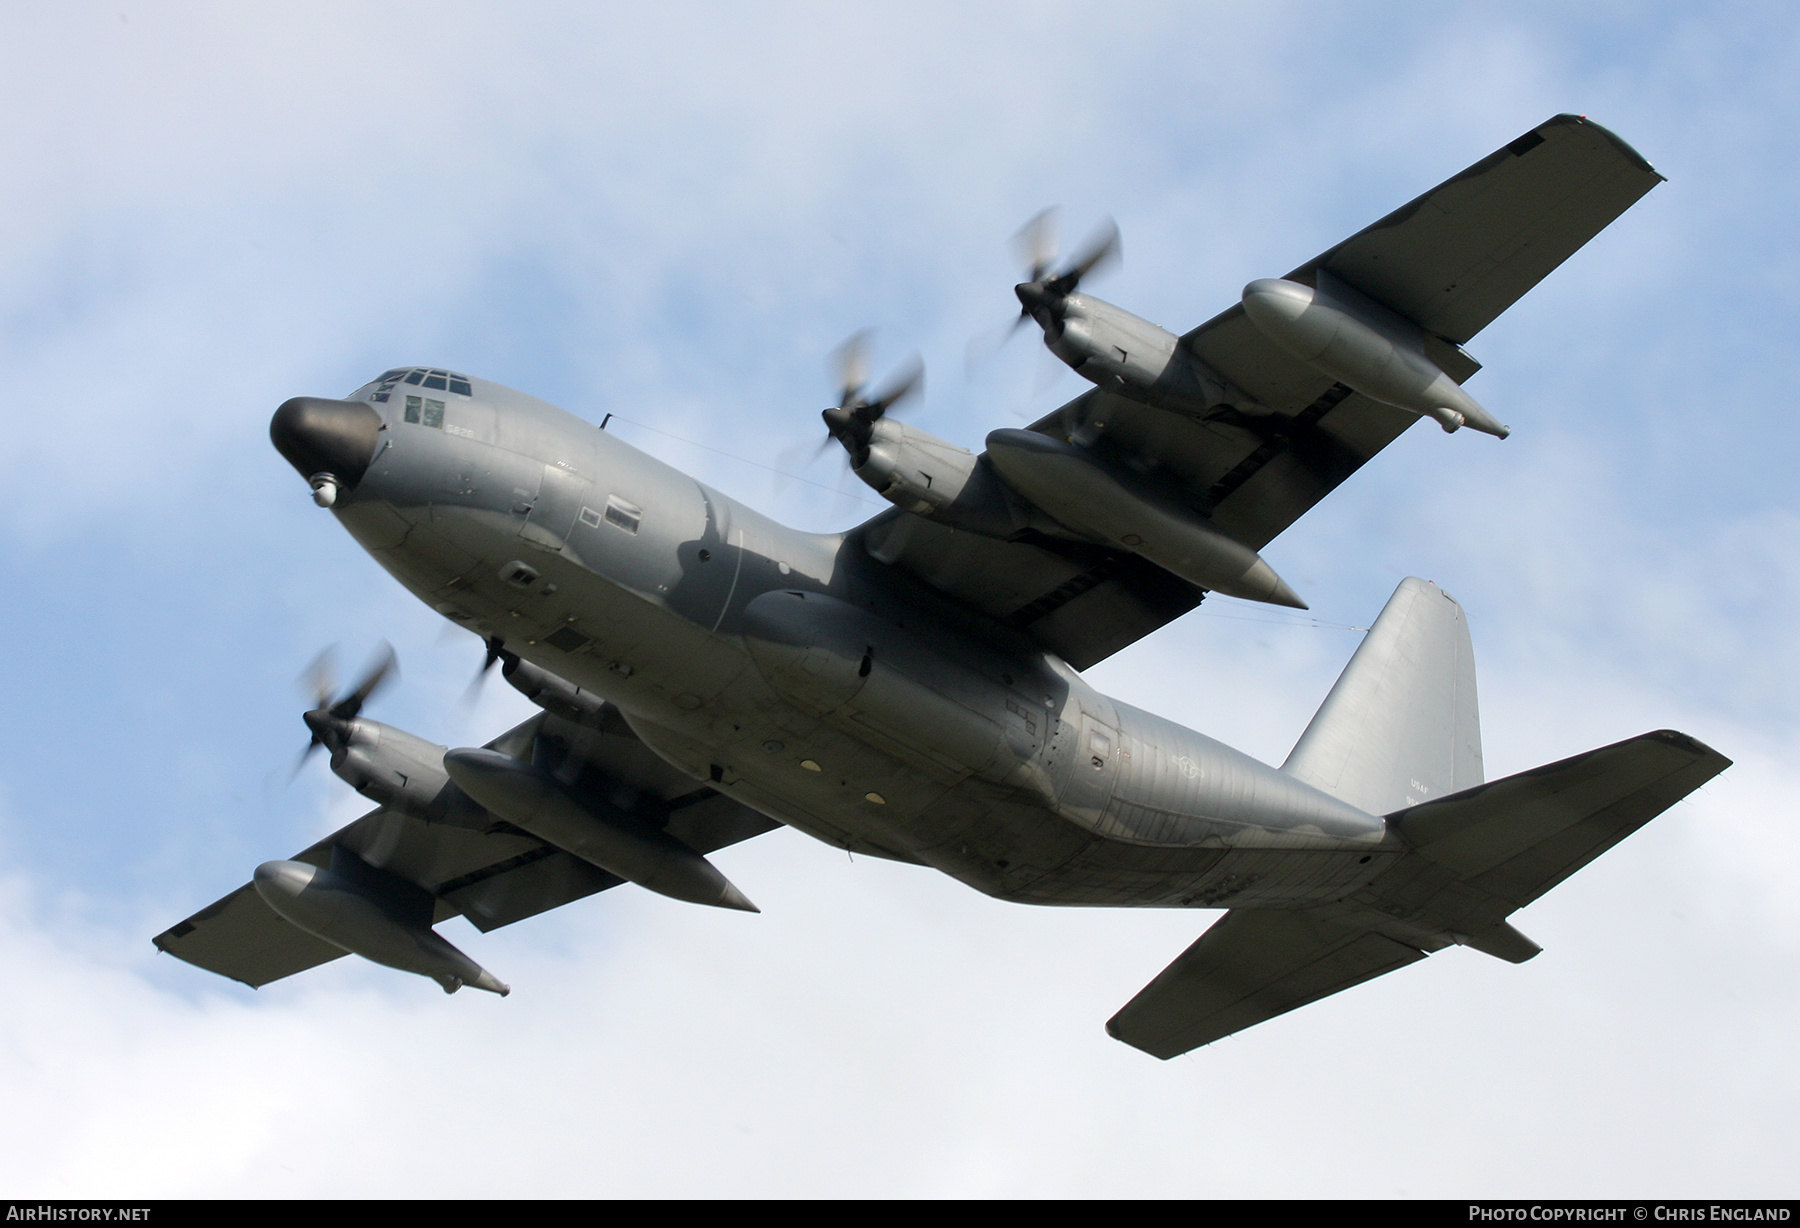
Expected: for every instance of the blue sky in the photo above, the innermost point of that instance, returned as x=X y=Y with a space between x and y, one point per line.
x=673 y=214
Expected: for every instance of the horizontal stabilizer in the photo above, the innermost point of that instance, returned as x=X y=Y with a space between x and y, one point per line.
x=1251 y=966
x=1516 y=838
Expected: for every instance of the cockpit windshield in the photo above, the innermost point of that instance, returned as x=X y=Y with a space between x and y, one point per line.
x=426 y=376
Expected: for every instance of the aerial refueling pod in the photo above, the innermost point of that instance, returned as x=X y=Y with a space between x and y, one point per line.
x=1358 y=342
x=366 y=921
x=530 y=798
x=857 y=670
x=1078 y=489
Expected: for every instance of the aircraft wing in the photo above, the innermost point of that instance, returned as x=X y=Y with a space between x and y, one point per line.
x=1451 y=261
x=493 y=878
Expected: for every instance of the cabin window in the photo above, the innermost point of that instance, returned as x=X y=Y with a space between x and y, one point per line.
x=625 y=515
x=590 y=518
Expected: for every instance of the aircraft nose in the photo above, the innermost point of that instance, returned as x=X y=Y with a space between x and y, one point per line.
x=326 y=439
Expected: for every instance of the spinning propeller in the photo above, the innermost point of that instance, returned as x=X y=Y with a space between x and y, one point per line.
x=852 y=420
x=326 y=719
x=1041 y=294
x=496 y=652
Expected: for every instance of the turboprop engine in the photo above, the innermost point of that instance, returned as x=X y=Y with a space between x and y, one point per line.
x=914 y=469
x=1358 y=342
x=1124 y=353
x=403 y=772
x=389 y=766
x=1103 y=343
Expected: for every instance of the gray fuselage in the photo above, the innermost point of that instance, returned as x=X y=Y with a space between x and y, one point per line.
x=825 y=689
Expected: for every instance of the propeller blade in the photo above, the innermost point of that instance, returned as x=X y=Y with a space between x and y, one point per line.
x=380 y=670
x=318 y=681
x=850 y=365
x=908 y=381
x=495 y=651
x=1036 y=243
x=1102 y=247
x=304 y=756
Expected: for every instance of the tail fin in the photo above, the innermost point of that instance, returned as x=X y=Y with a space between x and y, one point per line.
x=1401 y=726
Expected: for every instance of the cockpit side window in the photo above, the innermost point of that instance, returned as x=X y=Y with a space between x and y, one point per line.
x=386 y=385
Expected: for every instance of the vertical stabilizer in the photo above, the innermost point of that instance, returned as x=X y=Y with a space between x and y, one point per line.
x=1400 y=727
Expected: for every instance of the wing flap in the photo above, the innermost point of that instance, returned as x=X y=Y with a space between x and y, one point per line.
x=1249 y=967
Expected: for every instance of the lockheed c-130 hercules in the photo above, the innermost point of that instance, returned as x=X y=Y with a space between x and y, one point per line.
x=910 y=689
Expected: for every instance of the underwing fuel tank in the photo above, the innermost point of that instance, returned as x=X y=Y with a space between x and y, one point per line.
x=356 y=917
x=1362 y=344
x=530 y=798
x=1070 y=484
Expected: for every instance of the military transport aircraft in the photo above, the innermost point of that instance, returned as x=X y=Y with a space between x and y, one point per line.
x=910 y=689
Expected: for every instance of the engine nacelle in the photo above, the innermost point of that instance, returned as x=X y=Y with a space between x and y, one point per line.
x=915 y=469
x=1128 y=355
x=404 y=772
